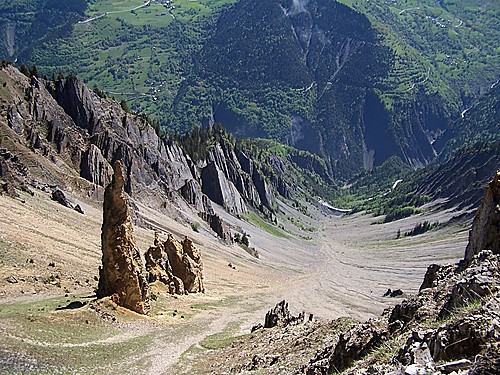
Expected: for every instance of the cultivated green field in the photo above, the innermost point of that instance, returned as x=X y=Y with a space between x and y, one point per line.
x=131 y=49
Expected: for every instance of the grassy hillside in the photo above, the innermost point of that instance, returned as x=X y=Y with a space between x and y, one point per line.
x=450 y=47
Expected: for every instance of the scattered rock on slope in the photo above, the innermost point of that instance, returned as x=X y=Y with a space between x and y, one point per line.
x=122 y=275
x=59 y=196
x=462 y=336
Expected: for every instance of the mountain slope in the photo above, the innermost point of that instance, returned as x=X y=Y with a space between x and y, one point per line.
x=317 y=76
x=352 y=84
x=296 y=75
x=70 y=137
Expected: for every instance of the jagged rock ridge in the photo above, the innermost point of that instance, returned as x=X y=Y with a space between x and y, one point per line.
x=485 y=232
x=122 y=275
x=82 y=134
x=231 y=179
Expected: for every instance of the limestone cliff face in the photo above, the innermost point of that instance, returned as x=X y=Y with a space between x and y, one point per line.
x=220 y=190
x=83 y=134
x=41 y=123
x=231 y=179
x=122 y=276
x=147 y=159
x=94 y=167
x=72 y=133
x=153 y=167
x=485 y=232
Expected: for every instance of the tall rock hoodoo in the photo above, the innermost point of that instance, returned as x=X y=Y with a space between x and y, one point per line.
x=122 y=275
x=485 y=232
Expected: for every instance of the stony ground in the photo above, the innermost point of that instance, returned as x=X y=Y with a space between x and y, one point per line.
x=49 y=256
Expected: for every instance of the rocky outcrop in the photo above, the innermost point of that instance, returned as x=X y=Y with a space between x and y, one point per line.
x=186 y=263
x=94 y=167
x=218 y=226
x=220 y=190
x=122 y=275
x=231 y=179
x=280 y=316
x=485 y=232
x=356 y=343
x=176 y=264
x=159 y=269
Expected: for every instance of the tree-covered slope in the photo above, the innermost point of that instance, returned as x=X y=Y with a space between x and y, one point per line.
x=312 y=75
x=25 y=24
x=450 y=47
x=479 y=123
x=133 y=50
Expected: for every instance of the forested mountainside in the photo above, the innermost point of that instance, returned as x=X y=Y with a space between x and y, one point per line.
x=471 y=150
x=321 y=77
x=25 y=25
x=353 y=82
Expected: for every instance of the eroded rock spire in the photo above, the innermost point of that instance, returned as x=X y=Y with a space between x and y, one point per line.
x=176 y=264
x=122 y=275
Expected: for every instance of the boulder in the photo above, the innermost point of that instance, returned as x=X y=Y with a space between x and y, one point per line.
x=485 y=232
x=460 y=365
x=79 y=209
x=122 y=275
x=59 y=196
x=393 y=293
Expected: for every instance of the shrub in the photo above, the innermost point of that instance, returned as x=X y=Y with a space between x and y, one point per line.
x=421 y=228
x=195 y=226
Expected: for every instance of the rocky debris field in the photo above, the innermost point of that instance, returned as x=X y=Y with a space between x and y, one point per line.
x=452 y=324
